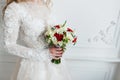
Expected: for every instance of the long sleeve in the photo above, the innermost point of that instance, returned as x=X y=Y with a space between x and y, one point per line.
x=11 y=30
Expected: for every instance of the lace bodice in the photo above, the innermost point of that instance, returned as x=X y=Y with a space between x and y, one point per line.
x=25 y=24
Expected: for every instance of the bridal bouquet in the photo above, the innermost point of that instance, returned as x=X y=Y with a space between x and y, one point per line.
x=60 y=36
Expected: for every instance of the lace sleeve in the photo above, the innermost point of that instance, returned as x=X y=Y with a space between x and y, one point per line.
x=11 y=30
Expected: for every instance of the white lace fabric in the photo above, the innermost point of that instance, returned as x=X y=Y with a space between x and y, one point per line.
x=31 y=30
x=25 y=24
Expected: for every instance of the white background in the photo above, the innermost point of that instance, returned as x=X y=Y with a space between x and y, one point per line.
x=96 y=54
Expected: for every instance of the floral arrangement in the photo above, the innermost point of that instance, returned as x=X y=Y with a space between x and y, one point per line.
x=60 y=36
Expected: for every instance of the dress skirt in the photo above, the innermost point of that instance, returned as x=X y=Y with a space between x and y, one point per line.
x=44 y=70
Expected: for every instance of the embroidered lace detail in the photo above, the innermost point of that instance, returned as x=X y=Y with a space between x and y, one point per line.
x=23 y=31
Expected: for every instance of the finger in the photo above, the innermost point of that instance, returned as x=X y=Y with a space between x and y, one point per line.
x=52 y=50
x=56 y=56
x=59 y=49
x=59 y=52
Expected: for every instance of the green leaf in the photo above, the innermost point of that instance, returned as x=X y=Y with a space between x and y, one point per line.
x=64 y=23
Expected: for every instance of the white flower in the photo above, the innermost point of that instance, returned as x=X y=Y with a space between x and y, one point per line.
x=69 y=36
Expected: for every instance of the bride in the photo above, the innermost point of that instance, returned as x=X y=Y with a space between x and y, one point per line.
x=25 y=22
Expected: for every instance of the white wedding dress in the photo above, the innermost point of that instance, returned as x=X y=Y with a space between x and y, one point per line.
x=25 y=24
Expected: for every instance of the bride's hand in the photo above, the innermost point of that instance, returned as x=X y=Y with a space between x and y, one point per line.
x=56 y=52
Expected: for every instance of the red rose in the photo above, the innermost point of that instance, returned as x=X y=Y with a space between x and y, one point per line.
x=57 y=26
x=69 y=30
x=75 y=40
x=59 y=37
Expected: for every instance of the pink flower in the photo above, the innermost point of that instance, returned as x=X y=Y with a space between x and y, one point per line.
x=75 y=40
x=69 y=30
x=57 y=26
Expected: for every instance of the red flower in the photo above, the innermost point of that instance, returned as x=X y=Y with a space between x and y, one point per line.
x=59 y=37
x=57 y=26
x=75 y=40
x=69 y=30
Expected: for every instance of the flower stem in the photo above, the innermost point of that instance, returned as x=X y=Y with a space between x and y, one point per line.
x=56 y=61
x=64 y=24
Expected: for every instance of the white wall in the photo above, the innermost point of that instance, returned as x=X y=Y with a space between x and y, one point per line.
x=97 y=24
